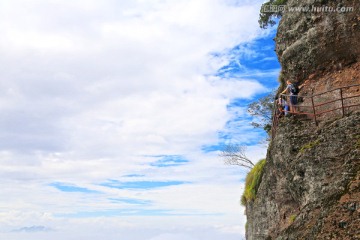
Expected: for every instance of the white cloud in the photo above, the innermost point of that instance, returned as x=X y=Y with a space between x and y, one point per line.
x=168 y=236
x=90 y=89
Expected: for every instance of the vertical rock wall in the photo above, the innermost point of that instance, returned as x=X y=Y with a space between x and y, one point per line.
x=311 y=183
x=308 y=42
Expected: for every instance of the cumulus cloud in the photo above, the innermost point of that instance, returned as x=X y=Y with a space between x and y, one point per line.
x=90 y=89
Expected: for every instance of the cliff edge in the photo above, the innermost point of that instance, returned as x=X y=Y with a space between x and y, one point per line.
x=310 y=187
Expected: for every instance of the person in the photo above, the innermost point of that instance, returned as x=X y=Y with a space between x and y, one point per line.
x=283 y=106
x=292 y=90
x=279 y=112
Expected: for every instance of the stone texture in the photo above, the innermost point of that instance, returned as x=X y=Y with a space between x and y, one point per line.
x=311 y=183
x=310 y=187
x=309 y=42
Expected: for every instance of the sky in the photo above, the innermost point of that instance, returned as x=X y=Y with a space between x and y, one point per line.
x=113 y=114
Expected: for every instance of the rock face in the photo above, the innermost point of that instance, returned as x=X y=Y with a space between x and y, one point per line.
x=311 y=183
x=307 y=42
x=310 y=187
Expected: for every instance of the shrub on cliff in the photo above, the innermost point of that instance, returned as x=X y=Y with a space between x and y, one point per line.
x=252 y=182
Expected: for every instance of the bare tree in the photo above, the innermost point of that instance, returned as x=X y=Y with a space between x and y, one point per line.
x=235 y=155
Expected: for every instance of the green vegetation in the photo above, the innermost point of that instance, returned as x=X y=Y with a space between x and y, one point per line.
x=309 y=145
x=262 y=110
x=282 y=82
x=252 y=183
x=292 y=218
x=357 y=144
x=269 y=11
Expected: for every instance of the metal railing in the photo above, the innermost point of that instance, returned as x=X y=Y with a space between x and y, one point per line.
x=317 y=105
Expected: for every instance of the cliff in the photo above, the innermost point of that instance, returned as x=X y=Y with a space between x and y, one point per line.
x=310 y=187
x=316 y=42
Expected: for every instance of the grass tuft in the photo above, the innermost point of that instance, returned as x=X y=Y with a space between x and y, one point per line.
x=309 y=145
x=292 y=218
x=252 y=183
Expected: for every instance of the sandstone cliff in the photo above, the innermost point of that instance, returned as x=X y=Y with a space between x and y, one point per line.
x=310 y=187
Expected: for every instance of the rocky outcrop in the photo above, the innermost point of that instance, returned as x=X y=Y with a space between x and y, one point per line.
x=310 y=187
x=312 y=41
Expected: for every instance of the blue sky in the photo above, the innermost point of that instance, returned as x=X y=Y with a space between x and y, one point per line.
x=114 y=112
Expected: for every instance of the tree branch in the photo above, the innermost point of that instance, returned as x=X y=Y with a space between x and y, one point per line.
x=235 y=155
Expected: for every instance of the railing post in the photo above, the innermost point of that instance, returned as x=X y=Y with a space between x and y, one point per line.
x=314 y=112
x=342 y=103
